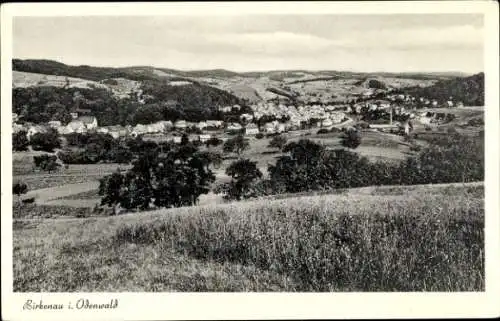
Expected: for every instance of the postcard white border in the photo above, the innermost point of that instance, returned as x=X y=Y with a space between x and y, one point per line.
x=151 y=306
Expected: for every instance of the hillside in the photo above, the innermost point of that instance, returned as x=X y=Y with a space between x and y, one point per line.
x=362 y=241
x=469 y=90
x=50 y=67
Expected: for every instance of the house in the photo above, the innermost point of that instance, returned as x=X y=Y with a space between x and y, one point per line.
x=449 y=103
x=139 y=129
x=204 y=138
x=226 y=109
x=36 y=129
x=214 y=124
x=251 y=129
x=17 y=128
x=326 y=123
x=202 y=125
x=280 y=128
x=74 y=115
x=103 y=130
x=246 y=117
x=54 y=124
x=177 y=139
x=234 y=127
x=117 y=131
x=90 y=122
x=180 y=124
x=236 y=107
x=75 y=126
x=269 y=128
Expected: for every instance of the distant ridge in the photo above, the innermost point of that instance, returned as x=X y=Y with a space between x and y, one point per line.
x=51 y=67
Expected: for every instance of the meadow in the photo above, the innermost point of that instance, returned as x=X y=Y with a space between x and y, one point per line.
x=416 y=238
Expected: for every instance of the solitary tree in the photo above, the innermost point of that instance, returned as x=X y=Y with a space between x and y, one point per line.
x=278 y=142
x=46 y=162
x=244 y=173
x=19 y=188
x=351 y=139
x=236 y=144
x=20 y=141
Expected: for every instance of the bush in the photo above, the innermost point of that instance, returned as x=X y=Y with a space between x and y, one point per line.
x=19 y=188
x=46 y=162
x=323 y=131
x=46 y=141
x=259 y=135
x=20 y=141
x=351 y=139
x=213 y=141
x=236 y=144
x=278 y=142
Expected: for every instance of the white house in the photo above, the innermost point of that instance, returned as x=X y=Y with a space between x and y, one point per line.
x=139 y=129
x=226 y=109
x=251 y=129
x=234 y=127
x=202 y=125
x=215 y=123
x=177 y=139
x=90 y=122
x=246 y=117
x=117 y=131
x=204 y=138
x=75 y=126
x=103 y=130
x=36 y=129
x=326 y=123
x=269 y=128
x=180 y=124
x=54 y=123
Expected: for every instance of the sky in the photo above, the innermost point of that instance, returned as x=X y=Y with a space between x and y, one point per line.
x=365 y=43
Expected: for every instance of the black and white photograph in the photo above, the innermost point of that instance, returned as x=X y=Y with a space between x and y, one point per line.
x=282 y=152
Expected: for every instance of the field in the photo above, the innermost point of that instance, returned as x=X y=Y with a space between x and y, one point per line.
x=368 y=239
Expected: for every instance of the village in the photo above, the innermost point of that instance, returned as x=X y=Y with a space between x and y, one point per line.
x=387 y=112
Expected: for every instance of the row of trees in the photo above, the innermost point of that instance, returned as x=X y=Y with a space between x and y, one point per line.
x=40 y=141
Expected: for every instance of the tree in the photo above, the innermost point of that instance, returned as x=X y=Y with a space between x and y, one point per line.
x=176 y=177
x=46 y=141
x=184 y=139
x=243 y=173
x=236 y=144
x=213 y=141
x=46 y=162
x=351 y=139
x=112 y=189
x=19 y=188
x=278 y=142
x=20 y=141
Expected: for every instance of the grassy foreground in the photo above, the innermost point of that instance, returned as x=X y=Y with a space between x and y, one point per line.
x=381 y=239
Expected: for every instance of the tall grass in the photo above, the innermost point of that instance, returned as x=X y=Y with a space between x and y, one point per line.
x=349 y=243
